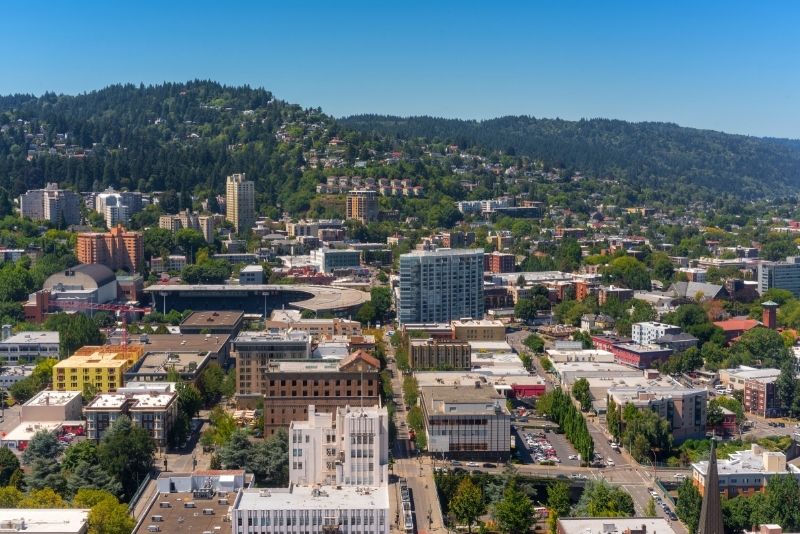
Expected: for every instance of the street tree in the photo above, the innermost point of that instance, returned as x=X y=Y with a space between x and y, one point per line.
x=514 y=512
x=467 y=504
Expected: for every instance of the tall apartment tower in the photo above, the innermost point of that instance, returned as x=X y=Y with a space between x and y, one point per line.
x=362 y=205
x=350 y=449
x=116 y=249
x=240 y=202
x=51 y=204
x=438 y=286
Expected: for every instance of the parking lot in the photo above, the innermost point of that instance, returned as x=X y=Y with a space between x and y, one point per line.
x=537 y=446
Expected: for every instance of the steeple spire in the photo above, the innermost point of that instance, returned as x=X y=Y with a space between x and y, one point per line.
x=711 y=511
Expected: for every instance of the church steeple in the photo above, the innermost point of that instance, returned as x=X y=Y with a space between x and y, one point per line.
x=711 y=511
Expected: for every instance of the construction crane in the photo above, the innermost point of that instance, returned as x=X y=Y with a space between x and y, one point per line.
x=120 y=310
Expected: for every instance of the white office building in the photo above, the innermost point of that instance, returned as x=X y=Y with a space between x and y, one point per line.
x=338 y=479
x=51 y=204
x=780 y=275
x=438 y=286
x=28 y=346
x=646 y=333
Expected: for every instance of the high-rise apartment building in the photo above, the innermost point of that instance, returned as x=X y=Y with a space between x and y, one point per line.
x=117 y=206
x=51 y=204
x=116 y=249
x=438 y=286
x=780 y=275
x=362 y=205
x=240 y=202
x=186 y=219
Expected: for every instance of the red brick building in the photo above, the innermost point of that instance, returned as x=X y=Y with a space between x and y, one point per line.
x=116 y=249
x=499 y=262
x=761 y=397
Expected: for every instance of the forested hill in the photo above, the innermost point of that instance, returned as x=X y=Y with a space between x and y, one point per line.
x=648 y=153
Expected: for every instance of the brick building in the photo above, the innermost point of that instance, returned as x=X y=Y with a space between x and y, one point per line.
x=499 y=262
x=116 y=249
x=290 y=387
x=439 y=354
x=761 y=396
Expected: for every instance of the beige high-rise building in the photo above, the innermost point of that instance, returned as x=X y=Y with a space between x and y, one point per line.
x=362 y=204
x=240 y=202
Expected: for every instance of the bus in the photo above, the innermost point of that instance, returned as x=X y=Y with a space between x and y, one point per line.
x=408 y=520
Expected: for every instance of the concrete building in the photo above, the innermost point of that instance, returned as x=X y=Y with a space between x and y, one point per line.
x=469 y=421
x=254 y=351
x=192 y=220
x=56 y=406
x=349 y=447
x=302 y=229
x=607 y=293
x=647 y=332
x=441 y=354
x=156 y=366
x=117 y=206
x=240 y=203
x=316 y=328
x=745 y=472
x=251 y=274
x=735 y=379
x=45 y=520
x=26 y=347
x=100 y=367
x=116 y=249
x=479 y=330
x=677 y=342
x=684 y=409
x=10 y=375
x=440 y=286
x=57 y=206
x=227 y=323
x=328 y=260
x=780 y=275
x=173 y=262
x=290 y=387
x=614 y=525
x=86 y=283
x=152 y=406
x=362 y=205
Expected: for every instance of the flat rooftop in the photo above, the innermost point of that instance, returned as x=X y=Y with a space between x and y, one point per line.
x=25 y=431
x=461 y=378
x=32 y=338
x=213 y=319
x=306 y=498
x=748 y=374
x=213 y=343
x=614 y=525
x=279 y=336
x=304 y=367
x=52 y=398
x=479 y=323
x=176 y=518
x=482 y=400
x=583 y=355
x=641 y=349
x=747 y=461
x=44 y=520
x=490 y=346
x=182 y=362
x=322 y=297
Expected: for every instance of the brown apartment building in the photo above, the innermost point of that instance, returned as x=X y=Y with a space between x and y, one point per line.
x=761 y=397
x=116 y=249
x=362 y=205
x=292 y=386
x=439 y=354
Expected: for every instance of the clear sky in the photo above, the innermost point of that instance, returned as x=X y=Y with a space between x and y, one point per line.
x=725 y=65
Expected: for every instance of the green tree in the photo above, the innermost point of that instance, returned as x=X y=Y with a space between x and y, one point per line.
x=467 y=504
x=650 y=509
x=689 y=503
x=613 y=419
x=157 y=241
x=366 y=314
x=786 y=386
x=42 y=445
x=126 y=453
x=79 y=452
x=86 y=475
x=190 y=241
x=269 y=460
x=109 y=516
x=410 y=390
x=10 y=497
x=514 y=512
x=236 y=452
x=601 y=499
x=535 y=343
x=558 y=500
x=8 y=465
x=783 y=501
x=580 y=390
x=629 y=272
x=381 y=298
x=42 y=498
x=74 y=331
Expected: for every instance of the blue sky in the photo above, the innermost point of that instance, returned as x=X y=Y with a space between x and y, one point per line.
x=731 y=66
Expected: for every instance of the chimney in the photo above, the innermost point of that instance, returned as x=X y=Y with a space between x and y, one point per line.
x=769 y=311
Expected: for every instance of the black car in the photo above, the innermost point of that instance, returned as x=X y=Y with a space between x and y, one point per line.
x=489 y=465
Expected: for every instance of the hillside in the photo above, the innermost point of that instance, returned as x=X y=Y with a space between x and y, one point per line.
x=657 y=155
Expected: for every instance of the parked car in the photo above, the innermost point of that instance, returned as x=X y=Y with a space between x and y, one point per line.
x=488 y=465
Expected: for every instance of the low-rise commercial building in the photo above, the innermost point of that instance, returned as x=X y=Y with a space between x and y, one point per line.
x=251 y=274
x=26 y=347
x=227 y=323
x=44 y=520
x=479 y=330
x=614 y=525
x=156 y=366
x=640 y=356
x=317 y=327
x=469 y=421
x=745 y=472
x=425 y=354
x=53 y=406
x=290 y=387
x=329 y=260
x=11 y=374
x=99 y=367
x=735 y=379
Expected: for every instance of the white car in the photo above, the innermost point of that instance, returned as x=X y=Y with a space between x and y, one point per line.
x=679 y=476
x=609 y=462
x=653 y=494
x=472 y=464
x=573 y=456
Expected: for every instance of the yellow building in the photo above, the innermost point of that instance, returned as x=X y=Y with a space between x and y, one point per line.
x=102 y=367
